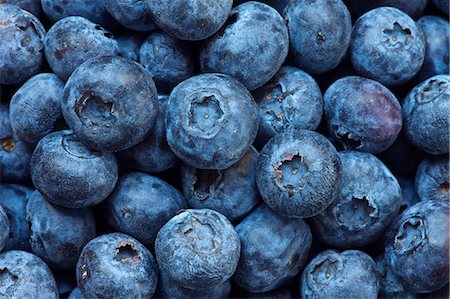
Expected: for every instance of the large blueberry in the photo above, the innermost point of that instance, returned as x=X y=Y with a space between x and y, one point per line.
x=24 y=275
x=231 y=192
x=35 y=108
x=390 y=285
x=349 y=274
x=13 y=199
x=152 y=155
x=362 y=114
x=291 y=100
x=432 y=179
x=32 y=6
x=368 y=202
x=4 y=228
x=273 y=250
x=190 y=19
x=387 y=46
x=116 y=266
x=110 y=103
x=298 y=173
x=168 y=59
x=131 y=14
x=141 y=204
x=58 y=234
x=417 y=249
x=251 y=46
x=69 y=174
x=437 y=35
x=211 y=121
x=74 y=40
x=412 y=8
x=319 y=33
x=198 y=249
x=425 y=110
x=22 y=44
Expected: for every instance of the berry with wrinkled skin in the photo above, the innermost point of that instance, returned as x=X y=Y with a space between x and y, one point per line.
x=298 y=173
x=113 y=265
x=425 y=111
x=198 y=249
x=69 y=174
x=432 y=179
x=362 y=114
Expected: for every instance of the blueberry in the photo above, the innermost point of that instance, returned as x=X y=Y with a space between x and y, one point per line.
x=231 y=192
x=110 y=103
x=22 y=47
x=319 y=33
x=273 y=250
x=74 y=40
x=150 y=203
x=349 y=274
x=24 y=275
x=168 y=59
x=436 y=32
x=425 y=111
x=211 y=121
x=4 y=228
x=76 y=294
x=362 y=114
x=387 y=46
x=35 y=108
x=152 y=155
x=442 y=5
x=13 y=199
x=15 y=154
x=432 y=179
x=116 y=266
x=298 y=173
x=129 y=43
x=368 y=202
x=413 y=8
x=167 y=288
x=69 y=174
x=189 y=19
x=198 y=249
x=390 y=286
x=250 y=47
x=291 y=100
x=131 y=14
x=409 y=194
x=417 y=249
x=32 y=6
x=58 y=234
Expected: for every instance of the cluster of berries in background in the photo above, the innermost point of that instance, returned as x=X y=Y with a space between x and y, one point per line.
x=224 y=149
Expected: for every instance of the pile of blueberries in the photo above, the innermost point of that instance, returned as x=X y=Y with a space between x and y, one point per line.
x=224 y=149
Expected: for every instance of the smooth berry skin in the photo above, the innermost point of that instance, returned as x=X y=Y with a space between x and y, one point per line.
x=432 y=179
x=298 y=173
x=13 y=199
x=198 y=249
x=22 y=47
x=273 y=250
x=189 y=20
x=168 y=59
x=153 y=154
x=110 y=103
x=418 y=245
x=58 y=234
x=25 y=275
x=4 y=228
x=35 y=108
x=211 y=121
x=131 y=14
x=319 y=33
x=368 y=202
x=425 y=111
x=74 y=40
x=111 y=265
x=362 y=114
x=437 y=35
x=231 y=192
x=390 y=285
x=349 y=274
x=251 y=47
x=68 y=174
x=413 y=8
x=290 y=100
x=387 y=46
x=150 y=203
